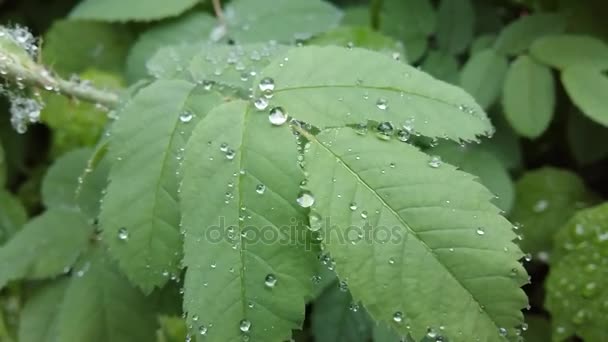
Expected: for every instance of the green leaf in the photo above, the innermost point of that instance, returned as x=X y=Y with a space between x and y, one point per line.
x=587 y=88
x=383 y=333
x=455 y=24
x=357 y=15
x=146 y=140
x=362 y=37
x=232 y=196
x=336 y=318
x=588 y=141
x=545 y=199
x=90 y=44
x=577 y=282
x=12 y=215
x=231 y=67
x=280 y=20
x=187 y=29
x=38 y=322
x=90 y=192
x=408 y=258
x=410 y=21
x=484 y=165
x=45 y=247
x=61 y=180
x=442 y=65
x=332 y=94
x=100 y=305
x=504 y=145
x=134 y=10
x=483 y=76
x=3 y=167
x=481 y=43
x=563 y=51
x=517 y=37
x=528 y=97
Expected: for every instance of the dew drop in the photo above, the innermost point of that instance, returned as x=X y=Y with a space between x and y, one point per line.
x=353 y=206
x=230 y=154
x=260 y=189
x=260 y=104
x=382 y=104
x=385 y=130
x=480 y=231
x=266 y=84
x=305 y=199
x=245 y=325
x=403 y=135
x=398 y=317
x=277 y=116
x=123 y=234
x=270 y=281
x=435 y=162
x=202 y=330
x=343 y=286
x=315 y=221
x=502 y=332
x=391 y=261
x=186 y=117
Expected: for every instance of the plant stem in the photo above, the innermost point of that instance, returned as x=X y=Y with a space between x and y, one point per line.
x=374 y=13
x=37 y=75
x=217 y=8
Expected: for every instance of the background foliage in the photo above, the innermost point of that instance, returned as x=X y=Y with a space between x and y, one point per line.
x=71 y=270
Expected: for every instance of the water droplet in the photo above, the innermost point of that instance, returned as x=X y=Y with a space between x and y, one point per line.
x=343 y=286
x=528 y=257
x=202 y=330
x=270 y=281
x=354 y=307
x=305 y=199
x=260 y=104
x=382 y=104
x=266 y=84
x=245 y=325
x=315 y=221
x=123 y=234
x=230 y=154
x=385 y=130
x=480 y=231
x=277 y=116
x=589 y=290
x=502 y=332
x=403 y=135
x=364 y=214
x=391 y=261
x=186 y=117
x=435 y=162
x=398 y=317
x=316 y=279
x=541 y=206
x=260 y=189
x=353 y=206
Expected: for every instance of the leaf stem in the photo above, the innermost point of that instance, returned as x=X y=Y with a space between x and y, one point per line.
x=31 y=73
x=217 y=8
x=374 y=13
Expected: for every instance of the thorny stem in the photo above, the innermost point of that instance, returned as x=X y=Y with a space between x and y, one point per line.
x=217 y=8
x=37 y=75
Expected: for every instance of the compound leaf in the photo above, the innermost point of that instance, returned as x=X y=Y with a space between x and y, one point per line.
x=100 y=305
x=247 y=265
x=577 y=282
x=455 y=24
x=133 y=10
x=330 y=94
x=45 y=246
x=587 y=88
x=337 y=318
x=563 y=51
x=528 y=97
x=546 y=198
x=520 y=34
x=188 y=29
x=408 y=258
x=483 y=75
x=140 y=215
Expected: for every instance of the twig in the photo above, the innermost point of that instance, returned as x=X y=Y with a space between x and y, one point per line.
x=217 y=8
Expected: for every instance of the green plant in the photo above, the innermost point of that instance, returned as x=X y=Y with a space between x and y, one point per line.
x=274 y=170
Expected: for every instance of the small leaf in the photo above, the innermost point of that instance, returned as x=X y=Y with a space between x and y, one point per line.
x=187 y=29
x=251 y=21
x=442 y=65
x=545 y=199
x=381 y=89
x=12 y=215
x=362 y=37
x=134 y=10
x=237 y=276
x=337 y=318
x=588 y=141
x=528 y=97
x=504 y=145
x=38 y=322
x=140 y=216
x=45 y=247
x=455 y=23
x=389 y=242
x=91 y=45
x=483 y=75
x=587 y=88
x=100 y=305
x=563 y=51
x=481 y=43
x=62 y=179
x=577 y=282
x=517 y=37
x=484 y=165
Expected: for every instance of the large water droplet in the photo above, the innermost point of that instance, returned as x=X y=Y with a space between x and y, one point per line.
x=260 y=104
x=266 y=84
x=270 y=281
x=398 y=317
x=403 y=135
x=305 y=199
x=123 y=234
x=277 y=116
x=186 y=117
x=385 y=130
x=245 y=325
x=315 y=221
